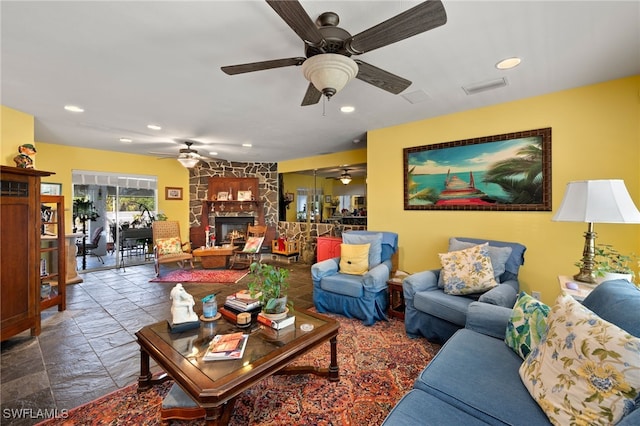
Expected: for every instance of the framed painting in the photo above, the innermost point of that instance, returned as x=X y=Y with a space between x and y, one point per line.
x=172 y=193
x=51 y=188
x=223 y=196
x=504 y=172
x=244 y=195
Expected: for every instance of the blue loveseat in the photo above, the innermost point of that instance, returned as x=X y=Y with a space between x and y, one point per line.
x=474 y=379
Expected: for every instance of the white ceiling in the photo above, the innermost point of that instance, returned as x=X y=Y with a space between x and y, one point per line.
x=132 y=63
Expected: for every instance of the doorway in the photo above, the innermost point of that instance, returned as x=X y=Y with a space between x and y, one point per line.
x=117 y=202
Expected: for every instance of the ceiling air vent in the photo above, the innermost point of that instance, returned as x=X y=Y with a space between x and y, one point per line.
x=472 y=89
x=416 y=97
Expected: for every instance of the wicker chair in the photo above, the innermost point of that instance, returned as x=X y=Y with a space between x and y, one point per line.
x=168 y=246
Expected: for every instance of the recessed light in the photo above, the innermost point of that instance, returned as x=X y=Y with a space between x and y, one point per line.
x=73 y=108
x=247 y=145
x=508 y=63
x=213 y=153
x=126 y=140
x=347 y=109
x=154 y=127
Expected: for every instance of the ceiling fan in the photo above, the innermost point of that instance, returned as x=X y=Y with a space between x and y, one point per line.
x=328 y=48
x=188 y=156
x=345 y=177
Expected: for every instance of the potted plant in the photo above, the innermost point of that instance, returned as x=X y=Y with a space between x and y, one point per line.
x=610 y=264
x=270 y=285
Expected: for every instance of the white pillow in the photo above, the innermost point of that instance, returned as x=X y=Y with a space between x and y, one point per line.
x=585 y=370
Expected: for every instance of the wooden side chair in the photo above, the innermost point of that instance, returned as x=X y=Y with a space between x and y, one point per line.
x=250 y=253
x=168 y=246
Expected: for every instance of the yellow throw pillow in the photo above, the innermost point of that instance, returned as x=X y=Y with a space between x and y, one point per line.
x=585 y=370
x=169 y=245
x=354 y=258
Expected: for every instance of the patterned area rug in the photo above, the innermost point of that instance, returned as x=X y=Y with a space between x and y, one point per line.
x=378 y=365
x=222 y=276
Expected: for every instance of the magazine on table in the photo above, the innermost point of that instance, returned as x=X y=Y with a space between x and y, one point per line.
x=226 y=346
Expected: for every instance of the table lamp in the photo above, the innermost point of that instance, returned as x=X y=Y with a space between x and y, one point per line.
x=595 y=201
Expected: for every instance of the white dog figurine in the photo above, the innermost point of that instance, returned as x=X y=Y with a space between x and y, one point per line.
x=182 y=307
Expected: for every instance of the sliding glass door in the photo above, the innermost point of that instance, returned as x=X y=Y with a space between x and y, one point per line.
x=105 y=203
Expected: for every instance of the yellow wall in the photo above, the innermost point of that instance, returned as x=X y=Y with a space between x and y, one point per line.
x=337 y=159
x=17 y=128
x=596 y=135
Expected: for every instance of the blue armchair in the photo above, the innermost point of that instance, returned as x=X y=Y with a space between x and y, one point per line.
x=357 y=296
x=436 y=315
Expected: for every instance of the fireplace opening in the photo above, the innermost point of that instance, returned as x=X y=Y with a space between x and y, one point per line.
x=232 y=227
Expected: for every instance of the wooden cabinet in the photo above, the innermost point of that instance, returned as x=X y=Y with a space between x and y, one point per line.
x=20 y=251
x=52 y=253
x=328 y=247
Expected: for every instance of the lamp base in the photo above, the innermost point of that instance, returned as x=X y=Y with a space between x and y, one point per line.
x=585 y=277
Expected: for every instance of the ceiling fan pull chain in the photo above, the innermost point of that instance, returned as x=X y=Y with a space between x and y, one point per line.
x=324 y=106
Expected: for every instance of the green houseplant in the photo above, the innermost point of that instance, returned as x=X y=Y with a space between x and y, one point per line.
x=270 y=285
x=608 y=260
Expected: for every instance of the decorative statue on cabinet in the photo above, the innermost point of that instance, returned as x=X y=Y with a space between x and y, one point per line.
x=23 y=160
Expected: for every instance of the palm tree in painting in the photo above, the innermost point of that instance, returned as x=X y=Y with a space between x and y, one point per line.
x=415 y=193
x=521 y=176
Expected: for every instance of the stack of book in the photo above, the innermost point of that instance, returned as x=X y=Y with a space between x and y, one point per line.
x=242 y=301
x=290 y=319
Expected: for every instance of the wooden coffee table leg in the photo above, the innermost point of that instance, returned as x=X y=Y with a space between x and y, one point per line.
x=145 y=379
x=220 y=416
x=332 y=373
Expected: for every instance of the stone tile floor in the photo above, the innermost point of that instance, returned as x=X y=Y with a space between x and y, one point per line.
x=90 y=349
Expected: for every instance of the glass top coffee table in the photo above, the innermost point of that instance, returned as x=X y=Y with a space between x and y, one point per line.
x=214 y=385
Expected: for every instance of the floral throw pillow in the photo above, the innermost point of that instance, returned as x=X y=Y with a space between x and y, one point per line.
x=527 y=324
x=585 y=370
x=467 y=271
x=169 y=245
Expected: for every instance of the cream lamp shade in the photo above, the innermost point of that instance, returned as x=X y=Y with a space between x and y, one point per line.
x=595 y=201
x=329 y=72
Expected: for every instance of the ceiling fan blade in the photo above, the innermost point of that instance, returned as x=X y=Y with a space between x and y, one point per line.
x=264 y=65
x=381 y=78
x=312 y=96
x=423 y=17
x=297 y=18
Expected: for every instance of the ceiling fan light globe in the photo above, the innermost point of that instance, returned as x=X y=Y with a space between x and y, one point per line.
x=188 y=162
x=329 y=72
x=345 y=180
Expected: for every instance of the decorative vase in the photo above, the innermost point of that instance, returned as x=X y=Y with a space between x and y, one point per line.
x=278 y=310
x=276 y=317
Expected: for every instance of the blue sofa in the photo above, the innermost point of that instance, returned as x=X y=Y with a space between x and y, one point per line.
x=474 y=380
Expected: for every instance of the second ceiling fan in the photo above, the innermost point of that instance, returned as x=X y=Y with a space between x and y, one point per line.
x=328 y=48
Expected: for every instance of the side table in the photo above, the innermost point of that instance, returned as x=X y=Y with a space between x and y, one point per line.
x=580 y=293
x=396 y=298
